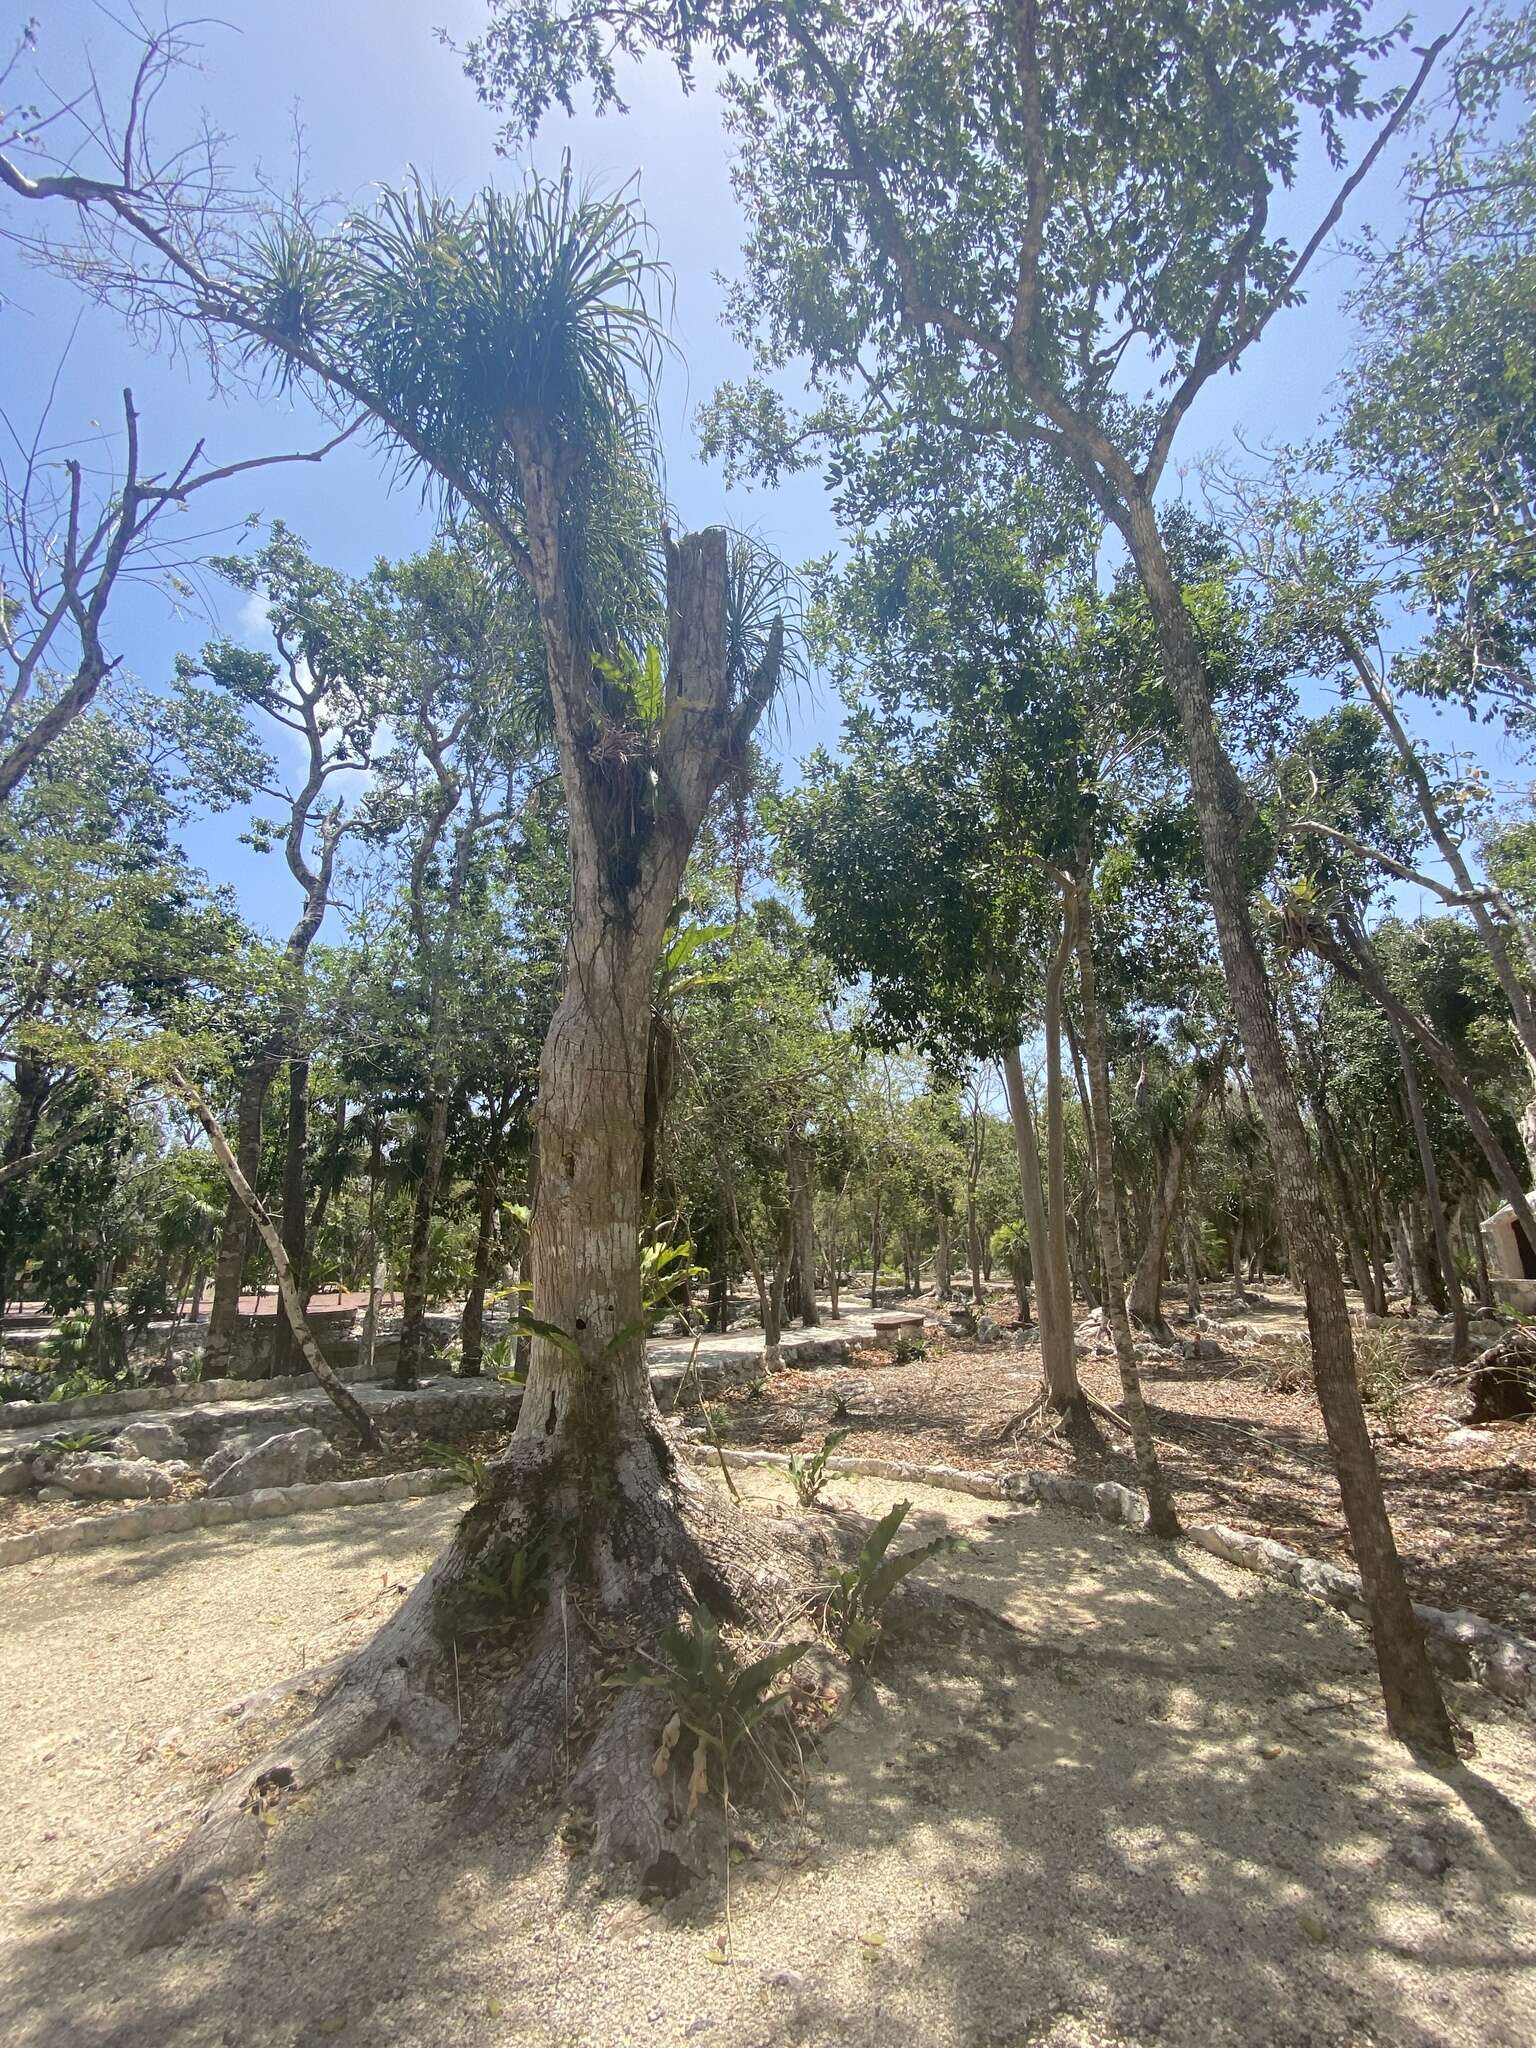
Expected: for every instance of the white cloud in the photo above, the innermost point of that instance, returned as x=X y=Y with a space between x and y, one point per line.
x=251 y=621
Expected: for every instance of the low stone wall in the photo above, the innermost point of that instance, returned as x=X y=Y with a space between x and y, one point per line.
x=39 y=1417
x=1461 y=1643
x=180 y=1394
x=168 y=1518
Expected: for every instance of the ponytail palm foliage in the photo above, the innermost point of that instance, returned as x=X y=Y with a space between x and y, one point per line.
x=462 y=328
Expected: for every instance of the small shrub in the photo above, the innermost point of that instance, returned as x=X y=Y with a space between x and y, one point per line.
x=716 y=1701
x=67 y=1347
x=810 y=1474
x=858 y=1594
x=63 y=1445
x=508 y=1585
x=1382 y=1367
x=908 y=1348
x=499 y=1359
x=1287 y=1370
x=73 y=1386
x=474 y=1472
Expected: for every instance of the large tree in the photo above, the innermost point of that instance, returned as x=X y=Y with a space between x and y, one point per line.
x=504 y=348
x=1047 y=229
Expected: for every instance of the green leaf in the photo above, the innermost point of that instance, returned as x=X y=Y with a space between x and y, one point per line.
x=527 y=1325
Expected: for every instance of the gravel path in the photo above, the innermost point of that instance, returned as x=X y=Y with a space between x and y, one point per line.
x=1165 y=1815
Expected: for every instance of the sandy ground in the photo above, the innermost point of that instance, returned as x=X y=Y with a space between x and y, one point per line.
x=1163 y=1811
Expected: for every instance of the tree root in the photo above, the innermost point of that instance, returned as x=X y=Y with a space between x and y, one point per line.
x=1014 y=1427
x=618 y=1564
x=380 y=1692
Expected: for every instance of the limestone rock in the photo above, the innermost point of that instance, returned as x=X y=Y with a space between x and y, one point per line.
x=15 y=1476
x=89 y=1477
x=291 y=1460
x=157 y=1441
x=240 y=1445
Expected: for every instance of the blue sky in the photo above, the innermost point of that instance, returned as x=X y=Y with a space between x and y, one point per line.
x=376 y=92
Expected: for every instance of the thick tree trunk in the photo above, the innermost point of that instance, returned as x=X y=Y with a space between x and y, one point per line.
x=589 y=1387
x=589 y=1483
x=1415 y=1709
x=941 y=1278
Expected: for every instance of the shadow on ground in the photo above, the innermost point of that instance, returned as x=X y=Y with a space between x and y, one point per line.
x=1110 y=1794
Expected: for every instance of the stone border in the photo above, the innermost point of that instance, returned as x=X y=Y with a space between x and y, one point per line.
x=179 y=1394
x=815 y=1348
x=1462 y=1643
x=265 y=1504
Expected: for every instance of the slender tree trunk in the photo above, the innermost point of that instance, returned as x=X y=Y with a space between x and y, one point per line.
x=973 y=1246
x=1494 y=919
x=523 y=1350
x=1056 y=1161
x=1163 y=1519
x=413 y=1309
x=1377 y=1244
x=835 y=1263
x=1415 y=1709
x=941 y=1279
x=234 y=1236
x=1192 y=1302
x=1146 y=1296
x=1402 y=1258
x=876 y=1249
x=772 y=1294
x=1053 y=1299
x=1356 y=957
x=1428 y=1165
x=472 y=1327
x=1480 y=1262
x=293 y=1307
x=1017 y=1262
x=295 y=1195
x=803 y=1222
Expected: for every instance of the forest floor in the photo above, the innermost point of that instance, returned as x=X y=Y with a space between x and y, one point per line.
x=1157 y=1808
x=1239 y=1431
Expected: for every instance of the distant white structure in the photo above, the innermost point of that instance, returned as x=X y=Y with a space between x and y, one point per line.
x=1511 y=1261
